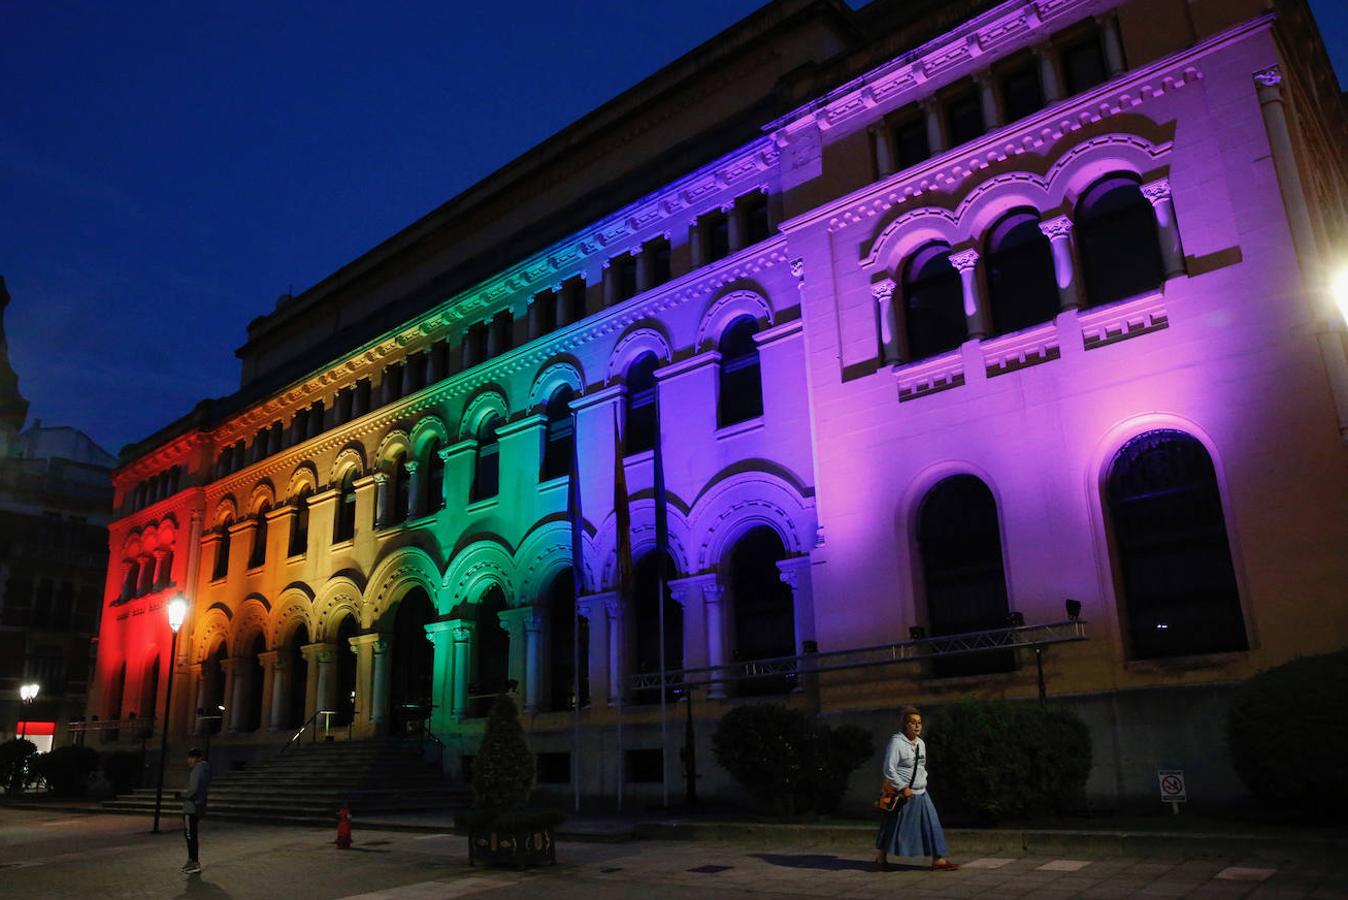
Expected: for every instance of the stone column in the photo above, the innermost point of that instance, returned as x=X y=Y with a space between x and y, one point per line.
x=379 y=698
x=699 y=253
x=199 y=691
x=1268 y=85
x=610 y=284
x=1048 y=73
x=466 y=359
x=987 y=98
x=1109 y=33
x=322 y=659
x=890 y=349
x=1058 y=230
x=533 y=658
x=734 y=226
x=271 y=685
x=362 y=646
x=442 y=674
x=1172 y=253
x=416 y=504
x=596 y=661
x=975 y=314
x=560 y=307
x=236 y=689
x=379 y=483
x=936 y=139
x=617 y=671
x=493 y=339
x=535 y=317
x=643 y=269
x=713 y=592
x=884 y=154
x=795 y=574
x=462 y=635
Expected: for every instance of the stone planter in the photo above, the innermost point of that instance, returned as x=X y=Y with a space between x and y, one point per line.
x=512 y=847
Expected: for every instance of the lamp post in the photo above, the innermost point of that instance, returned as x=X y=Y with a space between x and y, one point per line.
x=177 y=611
x=27 y=694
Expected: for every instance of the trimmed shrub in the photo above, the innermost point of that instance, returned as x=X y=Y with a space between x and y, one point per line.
x=1288 y=737
x=788 y=760
x=994 y=760
x=122 y=768
x=503 y=770
x=67 y=769
x=14 y=756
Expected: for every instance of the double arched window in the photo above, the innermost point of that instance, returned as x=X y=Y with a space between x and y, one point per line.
x=221 y=567
x=1022 y=288
x=257 y=555
x=643 y=423
x=486 y=475
x=435 y=477
x=299 y=525
x=560 y=437
x=933 y=303
x=1174 y=560
x=741 y=387
x=1117 y=235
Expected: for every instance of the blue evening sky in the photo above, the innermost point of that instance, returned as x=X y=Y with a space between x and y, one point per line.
x=167 y=168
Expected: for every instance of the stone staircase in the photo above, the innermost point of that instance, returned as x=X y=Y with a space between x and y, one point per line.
x=307 y=783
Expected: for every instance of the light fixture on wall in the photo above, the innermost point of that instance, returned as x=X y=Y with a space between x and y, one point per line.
x=917 y=633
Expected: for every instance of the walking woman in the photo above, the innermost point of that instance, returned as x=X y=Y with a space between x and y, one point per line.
x=913 y=829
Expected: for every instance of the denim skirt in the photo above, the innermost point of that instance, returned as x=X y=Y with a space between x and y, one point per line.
x=914 y=830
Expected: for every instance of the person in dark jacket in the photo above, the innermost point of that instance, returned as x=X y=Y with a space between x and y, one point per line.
x=194 y=804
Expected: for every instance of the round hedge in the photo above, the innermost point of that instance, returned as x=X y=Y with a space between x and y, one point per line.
x=1288 y=735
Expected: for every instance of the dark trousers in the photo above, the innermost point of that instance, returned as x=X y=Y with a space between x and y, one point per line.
x=190 y=821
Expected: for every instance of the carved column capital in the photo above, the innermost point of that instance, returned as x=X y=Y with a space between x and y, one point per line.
x=963 y=260
x=882 y=289
x=1056 y=228
x=798 y=268
x=1269 y=78
x=1157 y=191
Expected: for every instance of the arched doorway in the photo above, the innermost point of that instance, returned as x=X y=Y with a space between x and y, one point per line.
x=212 y=694
x=646 y=622
x=298 y=667
x=412 y=667
x=763 y=609
x=960 y=545
x=345 y=701
x=491 y=656
x=561 y=603
x=114 y=705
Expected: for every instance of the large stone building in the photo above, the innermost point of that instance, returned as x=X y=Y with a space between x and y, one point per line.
x=55 y=506
x=948 y=316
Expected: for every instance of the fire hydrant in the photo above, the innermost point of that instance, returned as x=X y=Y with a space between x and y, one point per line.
x=344 y=827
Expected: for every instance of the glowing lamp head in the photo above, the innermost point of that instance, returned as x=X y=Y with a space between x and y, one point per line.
x=177 y=612
x=1338 y=289
x=28 y=692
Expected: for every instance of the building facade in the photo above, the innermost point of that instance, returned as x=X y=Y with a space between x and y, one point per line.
x=956 y=323
x=55 y=504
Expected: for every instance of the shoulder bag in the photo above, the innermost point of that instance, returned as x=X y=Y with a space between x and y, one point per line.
x=891 y=797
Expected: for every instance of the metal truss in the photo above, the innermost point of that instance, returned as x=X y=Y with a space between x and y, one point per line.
x=1028 y=636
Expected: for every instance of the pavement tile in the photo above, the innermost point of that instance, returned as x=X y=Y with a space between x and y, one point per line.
x=1244 y=873
x=1065 y=865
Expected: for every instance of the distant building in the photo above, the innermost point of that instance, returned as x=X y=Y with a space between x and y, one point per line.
x=55 y=506
x=948 y=316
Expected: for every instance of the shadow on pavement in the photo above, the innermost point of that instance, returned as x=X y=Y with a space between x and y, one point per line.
x=826 y=862
x=200 y=889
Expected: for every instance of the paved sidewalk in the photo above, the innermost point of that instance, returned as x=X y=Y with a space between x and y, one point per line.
x=67 y=856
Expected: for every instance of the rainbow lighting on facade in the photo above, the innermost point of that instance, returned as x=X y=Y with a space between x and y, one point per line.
x=1024 y=313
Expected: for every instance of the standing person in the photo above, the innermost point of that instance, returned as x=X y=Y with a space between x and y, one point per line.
x=913 y=829
x=194 y=804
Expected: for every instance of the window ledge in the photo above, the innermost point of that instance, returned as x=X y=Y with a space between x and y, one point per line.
x=930 y=375
x=1123 y=319
x=425 y=518
x=296 y=557
x=483 y=504
x=726 y=432
x=636 y=459
x=343 y=545
x=552 y=484
x=255 y=570
x=1177 y=664
x=220 y=580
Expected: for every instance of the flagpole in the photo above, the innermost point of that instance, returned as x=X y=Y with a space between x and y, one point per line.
x=577 y=588
x=664 y=717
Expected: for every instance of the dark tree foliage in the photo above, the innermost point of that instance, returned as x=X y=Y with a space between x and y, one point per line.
x=67 y=769
x=122 y=768
x=787 y=759
x=992 y=760
x=1288 y=736
x=503 y=770
x=14 y=754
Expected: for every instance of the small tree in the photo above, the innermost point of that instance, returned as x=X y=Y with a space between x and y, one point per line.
x=503 y=770
x=14 y=757
x=67 y=769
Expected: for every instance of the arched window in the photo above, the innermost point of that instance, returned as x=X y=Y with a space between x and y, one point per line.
x=1022 y=287
x=1117 y=235
x=960 y=544
x=164 y=571
x=146 y=585
x=491 y=657
x=646 y=621
x=412 y=669
x=933 y=303
x=297 y=671
x=399 y=488
x=561 y=603
x=255 y=679
x=642 y=422
x=345 y=528
x=1174 y=560
x=741 y=395
x=258 y=555
x=486 y=478
x=149 y=690
x=560 y=438
x=764 y=609
x=129 y=583
x=221 y=568
x=435 y=477
x=299 y=525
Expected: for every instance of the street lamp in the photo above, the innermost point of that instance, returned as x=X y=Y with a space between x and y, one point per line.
x=177 y=612
x=27 y=694
x=1338 y=290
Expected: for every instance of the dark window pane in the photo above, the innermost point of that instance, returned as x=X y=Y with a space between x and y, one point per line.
x=756 y=225
x=764 y=611
x=560 y=435
x=717 y=236
x=1117 y=236
x=910 y=143
x=1022 y=288
x=646 y=617
x=933 y=303
x=642 y=424
x=1021 y=93
x=741 y=386
x=965 y=118
x=485 y=480
x=658 y=265
x=1083 y=65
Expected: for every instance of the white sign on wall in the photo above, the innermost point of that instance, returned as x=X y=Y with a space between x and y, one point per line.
x=1172 y=786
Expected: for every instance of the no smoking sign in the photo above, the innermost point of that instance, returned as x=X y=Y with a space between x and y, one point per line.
x=1172 y=786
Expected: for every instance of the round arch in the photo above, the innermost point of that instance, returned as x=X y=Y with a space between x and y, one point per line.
x=643 y=337
x=742 y=501
x=263 y=494
x=339 y=597
x=352 y=456
x=395 y=575
x=304 y=477
x=908 y=231
x=552 y=376
x=395 y=441
x=490 y=400
x=726 y=309
x=485 y=561
x=294 y=607
x=428 y=428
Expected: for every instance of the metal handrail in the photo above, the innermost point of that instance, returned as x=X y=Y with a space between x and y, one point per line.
x=299 y=732
x=875 y=655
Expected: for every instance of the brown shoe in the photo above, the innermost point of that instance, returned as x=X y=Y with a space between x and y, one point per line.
x=944 y=865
